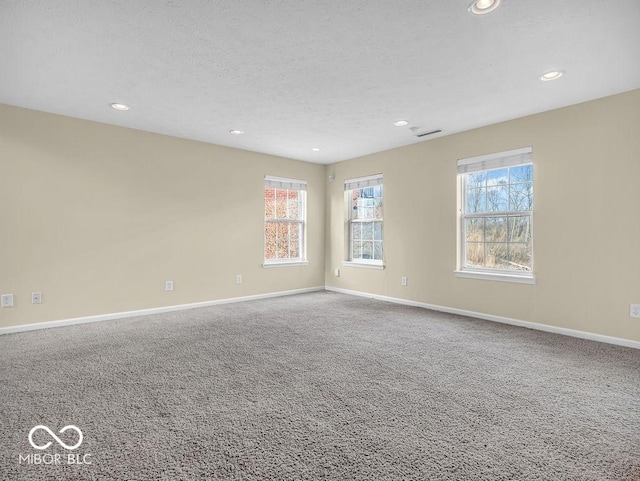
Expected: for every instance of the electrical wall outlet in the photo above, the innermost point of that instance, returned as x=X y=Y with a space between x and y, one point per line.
x=7 y=300
x=634 y=310
x=404 y=281
x=168 y=285
x=239 y=279
x=36 y=298
x=336 y=272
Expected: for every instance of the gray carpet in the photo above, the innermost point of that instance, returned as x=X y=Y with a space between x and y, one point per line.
x=319 y=386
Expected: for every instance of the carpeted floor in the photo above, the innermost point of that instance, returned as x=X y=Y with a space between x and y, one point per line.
x=319 y=386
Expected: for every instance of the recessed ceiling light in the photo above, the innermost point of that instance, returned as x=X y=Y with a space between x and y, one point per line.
x=400 y=123
x=236 y=132
x=119 y=106
x=553 y=75
x=316 y=149
x=482 y=7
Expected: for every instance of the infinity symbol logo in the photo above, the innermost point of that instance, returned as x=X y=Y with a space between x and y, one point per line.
x=58 y=440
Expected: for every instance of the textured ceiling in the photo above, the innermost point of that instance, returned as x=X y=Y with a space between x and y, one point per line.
x=299 y=74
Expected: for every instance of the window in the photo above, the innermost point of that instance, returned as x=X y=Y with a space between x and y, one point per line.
x=284 y=221
x=496 y=220
x=364 y=200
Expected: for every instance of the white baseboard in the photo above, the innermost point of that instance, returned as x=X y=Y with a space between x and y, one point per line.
x=504 y=320
x=180 y=307
x=147 y=312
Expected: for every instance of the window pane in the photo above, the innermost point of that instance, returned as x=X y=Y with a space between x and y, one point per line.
x=282 y=249
x=283 y=239
x=282 y=242
x=288 y=241
x=522 y=173
x=495 y=240
x=475 y=254
x=366 y=203
x=377 y=234
x=270 y=240
x=367 y=250
x=282 y=230
x=269 y=202
x=474 y=229
x=294 y=232
x=357 y=250
x=377 y=211
x=377 y=251
x=497 y=198
x=520 y=229
x=496 y=229
x=476 y=179
x=281 y=203
x=294 y=243
x=378 y=202
x=529 y=196
x=367 y=230
x=475 y=200
x=356 y=231
x=367 y=192
x=521 y=197
x=520 y=256
x=294 y=209
x=366 y=237
x=363 y=211
x=496 y=255
x=354 y=204
x=497 y=177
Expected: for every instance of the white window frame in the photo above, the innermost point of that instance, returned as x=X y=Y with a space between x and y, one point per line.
x=357 y=184
x=301 y=187
x=510 y=158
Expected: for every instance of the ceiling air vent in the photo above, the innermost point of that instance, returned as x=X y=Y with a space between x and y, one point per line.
x=424 y=134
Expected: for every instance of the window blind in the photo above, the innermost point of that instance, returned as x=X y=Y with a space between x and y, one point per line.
x=498 y=160
x=282 y=183
x=362 y=182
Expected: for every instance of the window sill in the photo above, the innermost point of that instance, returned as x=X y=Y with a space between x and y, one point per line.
x=365 y=265
x=495 y=276
x=268 y=265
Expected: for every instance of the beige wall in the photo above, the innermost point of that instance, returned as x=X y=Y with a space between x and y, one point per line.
x=586 y=219
x=97 y=217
